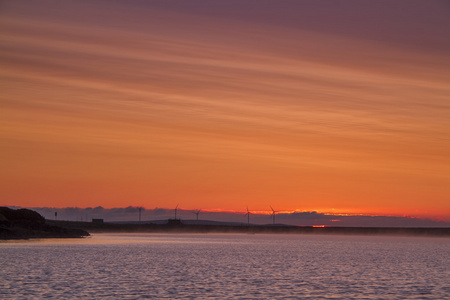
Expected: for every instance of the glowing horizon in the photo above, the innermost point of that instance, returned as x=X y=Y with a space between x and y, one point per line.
x=327 y=212
x=320 y=107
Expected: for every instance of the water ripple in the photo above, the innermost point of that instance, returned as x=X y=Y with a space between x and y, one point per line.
x=228 y=267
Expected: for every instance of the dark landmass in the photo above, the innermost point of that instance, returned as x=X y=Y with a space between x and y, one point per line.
x=177 y=226
x=26 y=224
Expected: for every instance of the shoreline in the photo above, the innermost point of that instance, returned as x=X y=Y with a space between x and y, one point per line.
x=253 y=229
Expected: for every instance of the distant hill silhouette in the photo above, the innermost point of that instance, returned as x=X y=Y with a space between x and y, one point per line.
x=25 y=223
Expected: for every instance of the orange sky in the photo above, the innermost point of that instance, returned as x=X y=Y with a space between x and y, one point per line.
x=219 y=107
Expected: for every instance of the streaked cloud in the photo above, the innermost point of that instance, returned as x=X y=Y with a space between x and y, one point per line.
x=220 y=105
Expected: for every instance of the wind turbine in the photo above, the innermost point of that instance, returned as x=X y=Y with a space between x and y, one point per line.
x=196 y=213
x=248 y=216
x=176 y=208
x=273 y=214
x=140 y=210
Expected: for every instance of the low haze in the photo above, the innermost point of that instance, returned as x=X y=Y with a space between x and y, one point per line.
x=134 y=214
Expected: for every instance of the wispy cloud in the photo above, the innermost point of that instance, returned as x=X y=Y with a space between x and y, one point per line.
x=306 y=105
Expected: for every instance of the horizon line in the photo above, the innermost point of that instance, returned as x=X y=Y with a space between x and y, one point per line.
x=255 y=212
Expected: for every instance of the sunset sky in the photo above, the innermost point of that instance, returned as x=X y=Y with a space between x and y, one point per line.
x=330 y=106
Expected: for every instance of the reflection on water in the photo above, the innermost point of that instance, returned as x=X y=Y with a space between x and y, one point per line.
x=226 y=266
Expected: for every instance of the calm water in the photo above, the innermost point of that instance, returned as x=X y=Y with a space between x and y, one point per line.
x=226 y=266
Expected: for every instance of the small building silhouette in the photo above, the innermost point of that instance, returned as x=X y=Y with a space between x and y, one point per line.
x=100 y=221
x=174 y=222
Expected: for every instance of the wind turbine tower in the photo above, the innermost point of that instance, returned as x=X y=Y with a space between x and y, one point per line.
x=140 y=210
x=273 y=214
x=248 y=216
x=196 y=213
x=176 y=208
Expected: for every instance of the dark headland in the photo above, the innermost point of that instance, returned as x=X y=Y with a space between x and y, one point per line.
x=27 y=224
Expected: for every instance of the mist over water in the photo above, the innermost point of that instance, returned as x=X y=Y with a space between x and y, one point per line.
x=232 y=266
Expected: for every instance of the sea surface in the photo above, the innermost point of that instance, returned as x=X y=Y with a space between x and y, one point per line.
x=226 y=266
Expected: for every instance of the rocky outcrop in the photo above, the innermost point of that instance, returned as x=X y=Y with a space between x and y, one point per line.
x=26 y=223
